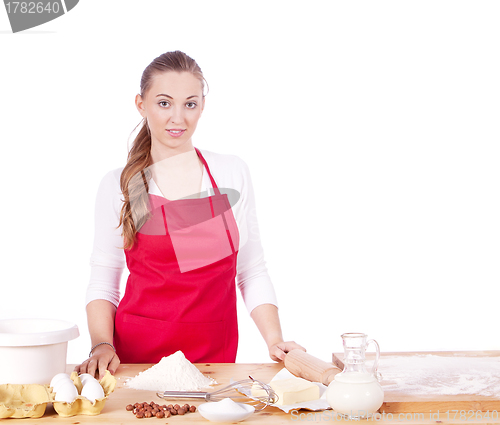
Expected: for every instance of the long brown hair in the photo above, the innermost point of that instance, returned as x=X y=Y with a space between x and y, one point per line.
x=136 y=174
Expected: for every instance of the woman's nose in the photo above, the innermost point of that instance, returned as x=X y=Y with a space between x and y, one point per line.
x=177 y=115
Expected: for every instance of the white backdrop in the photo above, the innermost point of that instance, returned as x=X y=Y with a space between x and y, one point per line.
x=371 y=129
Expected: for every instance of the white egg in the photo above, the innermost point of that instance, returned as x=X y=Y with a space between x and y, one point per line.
x=61 y=382
x=60 y=377
x=92 y=390
x=85 y=376
x=66 y=392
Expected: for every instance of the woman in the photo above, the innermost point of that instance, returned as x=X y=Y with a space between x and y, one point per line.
x=184 y=221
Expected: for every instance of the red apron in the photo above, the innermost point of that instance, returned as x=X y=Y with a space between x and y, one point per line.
x=181 y=292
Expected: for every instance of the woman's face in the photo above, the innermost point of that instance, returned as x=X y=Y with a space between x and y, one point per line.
x=172 y=106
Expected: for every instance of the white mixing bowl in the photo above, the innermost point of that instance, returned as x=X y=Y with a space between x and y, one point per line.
x=33 y=351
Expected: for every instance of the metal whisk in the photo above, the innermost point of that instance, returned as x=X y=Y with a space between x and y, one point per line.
x=239 y=391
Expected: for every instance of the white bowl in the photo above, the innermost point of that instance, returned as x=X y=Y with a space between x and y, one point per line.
x=208 y=413
x=34 y=350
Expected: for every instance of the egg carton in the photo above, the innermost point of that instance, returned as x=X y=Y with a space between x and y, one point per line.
x=30 y=401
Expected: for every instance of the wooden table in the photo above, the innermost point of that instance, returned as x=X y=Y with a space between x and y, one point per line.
x=114 y=411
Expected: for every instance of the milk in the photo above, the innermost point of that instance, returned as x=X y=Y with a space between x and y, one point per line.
x=355 y=395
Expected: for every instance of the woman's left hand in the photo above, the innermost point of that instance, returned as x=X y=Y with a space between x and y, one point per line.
x=278 y=351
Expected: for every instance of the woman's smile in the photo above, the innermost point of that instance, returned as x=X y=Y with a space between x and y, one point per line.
x=176 y=132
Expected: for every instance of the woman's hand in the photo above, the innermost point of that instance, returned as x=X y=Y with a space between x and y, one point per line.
x=278 y=351
x=103 y=358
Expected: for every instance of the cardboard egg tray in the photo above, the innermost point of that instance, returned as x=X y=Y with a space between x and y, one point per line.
x=30 y=401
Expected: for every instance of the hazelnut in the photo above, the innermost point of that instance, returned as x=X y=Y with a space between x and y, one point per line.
x=192 y=409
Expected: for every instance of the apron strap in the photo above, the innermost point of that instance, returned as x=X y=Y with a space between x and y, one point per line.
x=214 y=185
x=217 y=192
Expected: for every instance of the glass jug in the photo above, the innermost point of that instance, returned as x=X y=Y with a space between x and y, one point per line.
x=355 y=393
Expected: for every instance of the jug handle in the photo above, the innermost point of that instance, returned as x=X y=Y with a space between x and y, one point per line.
x=377 y=355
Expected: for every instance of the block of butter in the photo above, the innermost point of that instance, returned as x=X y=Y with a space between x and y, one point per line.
x=293 y=390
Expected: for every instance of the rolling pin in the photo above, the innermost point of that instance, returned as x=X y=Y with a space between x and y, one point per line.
x=303 y=365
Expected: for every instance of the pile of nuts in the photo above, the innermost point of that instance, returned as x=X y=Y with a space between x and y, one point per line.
x=151 y=410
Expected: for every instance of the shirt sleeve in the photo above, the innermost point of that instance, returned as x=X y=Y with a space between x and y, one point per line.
x=252 y=277
x=107 y=260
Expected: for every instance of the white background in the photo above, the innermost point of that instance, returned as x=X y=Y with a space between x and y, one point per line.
x=371 y=129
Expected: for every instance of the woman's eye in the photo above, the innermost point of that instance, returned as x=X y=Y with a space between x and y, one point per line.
x=191 y=105
x=164 y=103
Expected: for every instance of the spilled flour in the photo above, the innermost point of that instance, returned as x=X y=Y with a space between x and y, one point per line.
x=172 y=373
x=433 y=374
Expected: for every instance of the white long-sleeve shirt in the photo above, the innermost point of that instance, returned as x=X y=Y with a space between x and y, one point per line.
x=108 y=258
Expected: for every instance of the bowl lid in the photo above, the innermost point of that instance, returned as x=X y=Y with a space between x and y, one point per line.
x=28 y=332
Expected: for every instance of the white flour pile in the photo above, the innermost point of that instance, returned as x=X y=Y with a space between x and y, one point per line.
x=172 y=373
x=433 y=374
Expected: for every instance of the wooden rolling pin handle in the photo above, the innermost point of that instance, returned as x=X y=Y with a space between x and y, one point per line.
x=303 y=365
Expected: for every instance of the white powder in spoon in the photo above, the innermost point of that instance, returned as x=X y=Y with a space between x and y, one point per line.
x=172 y=373
x=226 y=406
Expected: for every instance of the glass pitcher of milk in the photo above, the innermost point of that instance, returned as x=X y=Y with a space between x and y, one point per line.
x=355 y=393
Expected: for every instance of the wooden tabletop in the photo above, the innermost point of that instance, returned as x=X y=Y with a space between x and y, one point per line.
x=114 y=411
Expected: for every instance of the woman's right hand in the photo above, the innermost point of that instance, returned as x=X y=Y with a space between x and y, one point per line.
x=103 y=358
